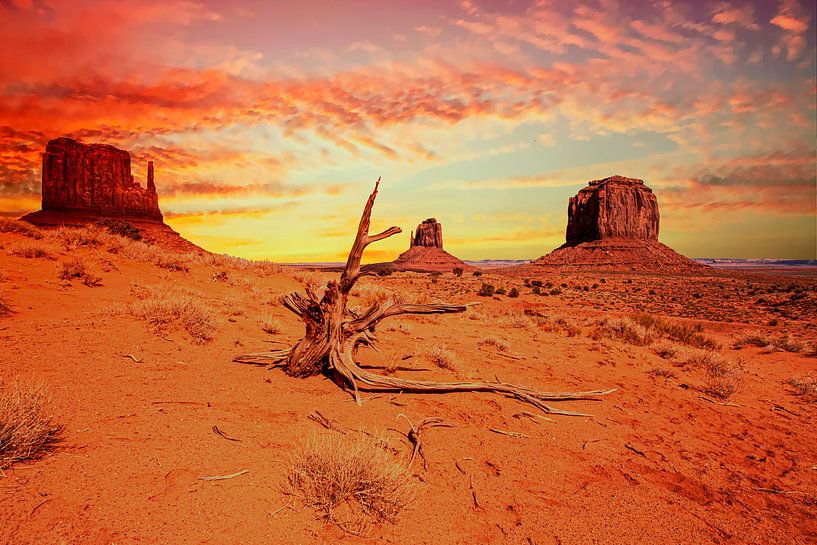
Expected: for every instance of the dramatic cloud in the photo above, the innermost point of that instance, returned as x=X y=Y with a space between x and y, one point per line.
x=266 y=107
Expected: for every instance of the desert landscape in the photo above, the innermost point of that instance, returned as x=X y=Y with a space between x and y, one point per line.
x=410 y=273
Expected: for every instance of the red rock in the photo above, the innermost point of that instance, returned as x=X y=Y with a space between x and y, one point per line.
x=83 y=183
x=425 y=253
x=612 y=225
x=95 y=179
x=429 y=233
x=615 y=207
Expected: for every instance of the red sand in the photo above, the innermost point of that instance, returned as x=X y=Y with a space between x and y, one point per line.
x=139 y=434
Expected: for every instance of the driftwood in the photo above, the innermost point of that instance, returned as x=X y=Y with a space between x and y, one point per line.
x=334 y=333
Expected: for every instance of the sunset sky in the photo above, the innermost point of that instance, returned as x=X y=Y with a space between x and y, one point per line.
x=269 y=122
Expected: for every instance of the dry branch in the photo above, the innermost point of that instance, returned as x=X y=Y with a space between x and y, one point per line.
x=334 y=333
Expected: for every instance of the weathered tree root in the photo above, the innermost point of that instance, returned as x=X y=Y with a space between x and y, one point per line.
x=335 y=332
x=414 y=436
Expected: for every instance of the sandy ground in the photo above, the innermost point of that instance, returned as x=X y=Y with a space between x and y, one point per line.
x=661 y=461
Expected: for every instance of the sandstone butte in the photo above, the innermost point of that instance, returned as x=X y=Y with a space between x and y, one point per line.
x=425 y=253
x=612 y=225
x=82 y=183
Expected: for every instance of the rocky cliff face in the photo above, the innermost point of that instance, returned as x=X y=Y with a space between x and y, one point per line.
x=615 y=207
x=95 y=179
x=429 y=233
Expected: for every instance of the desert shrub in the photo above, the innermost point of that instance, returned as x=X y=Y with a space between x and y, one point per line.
x=27 y=427
x=751 y=339
x=555 y=291
x=436 y=274
x=723 y=377
x=76 y=268
x=371 y=294
x=457 y=271
x=439 y=356
x=662 y=373
x=31 y=249
x=515 y=319
x=500 y=291
x=624 y=330
x=339 y=476
x=805 y=387
x=160 y=307
x=788 y=344
x=21 y=227
x=119 y=227
x=170 y=261
x=72 y=238
x=537 y=283
x=477 y=273
x=386 y=271
x=684 y=333
x=666 y=351
x=486 y=290
x=536 y=290
x=270 y=324
x=513 y=293
x=499 y=344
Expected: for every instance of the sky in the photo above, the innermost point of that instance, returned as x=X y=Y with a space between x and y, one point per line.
x=269 y=122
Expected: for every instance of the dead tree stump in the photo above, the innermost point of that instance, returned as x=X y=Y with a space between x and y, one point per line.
x=334 y=333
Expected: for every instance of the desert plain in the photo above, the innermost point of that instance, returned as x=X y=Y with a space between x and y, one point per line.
x=709 y=436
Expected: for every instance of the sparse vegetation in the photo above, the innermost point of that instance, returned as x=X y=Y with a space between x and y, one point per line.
x=624 y=330
x=684 y=333
x=751 y=339
x=486 y=290
x=497 y=343
x=805 y=387
x=27 y=427
x=21 y=227
x=270 y=324
x=385 y=271
x=338 y=476
x=723 y=377
x=76 y=268
x=477 y=273
x=513 y=293
x=31 y=249
x=662 y=373
x=120 y=228
x=161 y=306
x=457 y=271
x=666 y=351
x=439 y=356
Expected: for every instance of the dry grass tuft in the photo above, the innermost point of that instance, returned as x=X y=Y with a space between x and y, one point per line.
x=751 y=339
x=160 y=306
x=666 y=374
x=788 y=344
x=5 y=308
x=21 y=227
x=77 y=268
x=666 y=351
x=499 y=344
x=439 y=356
x=72 y=238
x=723 y=377
x=805 y=387
x=680 y=332
x=270 y=324
x=350 y=482
x=27 y=428
x=31 y=249
x=623 y=330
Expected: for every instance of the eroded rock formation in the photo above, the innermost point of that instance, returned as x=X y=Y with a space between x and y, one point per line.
x=615 y=207
x=95 y=179
x=429 y=233
x=425 y=253
x=612 y=224
x=85 y=182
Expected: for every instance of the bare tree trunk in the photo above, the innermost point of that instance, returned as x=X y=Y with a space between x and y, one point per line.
x=334 y=333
